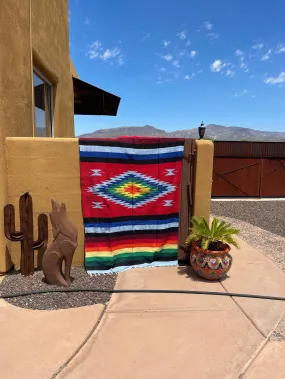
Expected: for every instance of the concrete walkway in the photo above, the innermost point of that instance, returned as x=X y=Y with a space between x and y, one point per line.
x=35 y=344
x=156 y=335
x=184 y=336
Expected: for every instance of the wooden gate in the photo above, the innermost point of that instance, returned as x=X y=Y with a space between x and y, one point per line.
x=186 y=198
x=249 y=169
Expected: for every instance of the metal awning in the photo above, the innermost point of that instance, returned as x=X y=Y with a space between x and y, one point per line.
x=90 y=100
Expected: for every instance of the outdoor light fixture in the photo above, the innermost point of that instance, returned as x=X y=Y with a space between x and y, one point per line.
x=202 y=130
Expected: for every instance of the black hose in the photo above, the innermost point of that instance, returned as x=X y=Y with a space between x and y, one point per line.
x=184 y=292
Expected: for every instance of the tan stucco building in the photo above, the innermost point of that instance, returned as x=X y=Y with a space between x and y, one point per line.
x=39 y=92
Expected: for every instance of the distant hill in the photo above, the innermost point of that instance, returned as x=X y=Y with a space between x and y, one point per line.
x=215 y=132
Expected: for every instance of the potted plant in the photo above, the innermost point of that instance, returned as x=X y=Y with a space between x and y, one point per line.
x=209 y=255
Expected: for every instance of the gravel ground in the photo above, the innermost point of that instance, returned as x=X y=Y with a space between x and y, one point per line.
x=267 y=215
x=15 y=282
x=262 y=225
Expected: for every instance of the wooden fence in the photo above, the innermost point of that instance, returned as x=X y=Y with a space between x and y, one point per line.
x=249 y=169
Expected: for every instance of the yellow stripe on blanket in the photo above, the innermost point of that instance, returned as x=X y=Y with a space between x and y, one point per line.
x=130 y=250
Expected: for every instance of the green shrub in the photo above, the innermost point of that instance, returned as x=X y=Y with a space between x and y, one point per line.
x=219 y=232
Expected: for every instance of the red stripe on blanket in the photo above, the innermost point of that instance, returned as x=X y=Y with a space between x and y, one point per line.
x=130 y=243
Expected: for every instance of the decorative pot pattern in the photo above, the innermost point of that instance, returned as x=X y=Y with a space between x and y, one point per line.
x=210 y=264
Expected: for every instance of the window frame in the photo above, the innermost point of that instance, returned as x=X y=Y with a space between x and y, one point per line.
x=51 y=111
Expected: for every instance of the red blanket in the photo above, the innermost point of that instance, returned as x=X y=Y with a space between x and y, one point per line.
x=131 y=200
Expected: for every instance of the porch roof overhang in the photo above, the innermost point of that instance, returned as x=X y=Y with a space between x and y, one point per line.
x=91 y=100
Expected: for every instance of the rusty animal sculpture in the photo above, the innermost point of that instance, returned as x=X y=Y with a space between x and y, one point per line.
x=61 y=248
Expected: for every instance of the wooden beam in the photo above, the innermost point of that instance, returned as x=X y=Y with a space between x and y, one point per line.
x=186 y=199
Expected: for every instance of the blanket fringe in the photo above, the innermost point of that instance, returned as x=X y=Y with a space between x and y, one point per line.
x=116 y=270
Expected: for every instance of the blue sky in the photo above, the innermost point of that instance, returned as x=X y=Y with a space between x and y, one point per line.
x=176 y=63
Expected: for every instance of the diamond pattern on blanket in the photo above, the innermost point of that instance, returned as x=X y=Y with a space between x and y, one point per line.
x=132 y=189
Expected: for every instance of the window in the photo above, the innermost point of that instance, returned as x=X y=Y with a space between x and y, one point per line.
x=43 y=106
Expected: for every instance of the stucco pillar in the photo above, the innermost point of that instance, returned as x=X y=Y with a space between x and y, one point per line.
x=203 y=178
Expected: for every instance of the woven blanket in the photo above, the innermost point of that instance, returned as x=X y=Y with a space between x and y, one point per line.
x=130 y=198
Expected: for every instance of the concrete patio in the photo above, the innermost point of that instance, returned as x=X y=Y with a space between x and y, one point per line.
x=156 y=335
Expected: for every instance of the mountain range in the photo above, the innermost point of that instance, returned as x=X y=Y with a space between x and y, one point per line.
x=214 y=132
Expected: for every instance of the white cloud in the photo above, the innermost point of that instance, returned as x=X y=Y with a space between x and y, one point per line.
x=146 y=36
x=94 y=50
x=166 y=43
x=258 y=46
x=167 y=57
x=239 y=94
x=121 y=60
x=266 y=56
x=87 y=21
x=207 y=25
x=280 y=48
x=277 y=79
x=193 y=53
x=188 y=77
x=110 y=53
x=163 y=81
x=162 y=69
x=243 y=65
x=213 y=35
x=230 y=73
x=217 y=65
x=182 y=53
x=175 y=63
x=239 y=53
x=182 y=35
x=188 y=43
x=97 y=51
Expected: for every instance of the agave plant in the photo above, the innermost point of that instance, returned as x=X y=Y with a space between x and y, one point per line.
x=219 y=232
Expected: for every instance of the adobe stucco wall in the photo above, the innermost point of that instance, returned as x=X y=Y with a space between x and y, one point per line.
x=32 y=32
x=47 y=168
x=15 y=88
x=50 y=42
x=203 y=178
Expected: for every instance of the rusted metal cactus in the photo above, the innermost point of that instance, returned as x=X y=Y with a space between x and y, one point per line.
x=26 y=233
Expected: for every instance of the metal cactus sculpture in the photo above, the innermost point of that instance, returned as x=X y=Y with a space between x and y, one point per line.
x=26 y=233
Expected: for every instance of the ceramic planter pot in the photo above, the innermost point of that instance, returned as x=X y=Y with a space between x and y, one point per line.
x=208 y=264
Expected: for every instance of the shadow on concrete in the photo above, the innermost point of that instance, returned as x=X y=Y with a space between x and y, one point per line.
x=188 y=272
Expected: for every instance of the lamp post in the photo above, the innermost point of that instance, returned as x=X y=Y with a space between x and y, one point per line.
x=202 y=130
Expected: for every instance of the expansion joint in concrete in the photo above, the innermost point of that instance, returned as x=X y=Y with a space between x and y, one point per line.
x=80 y=347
